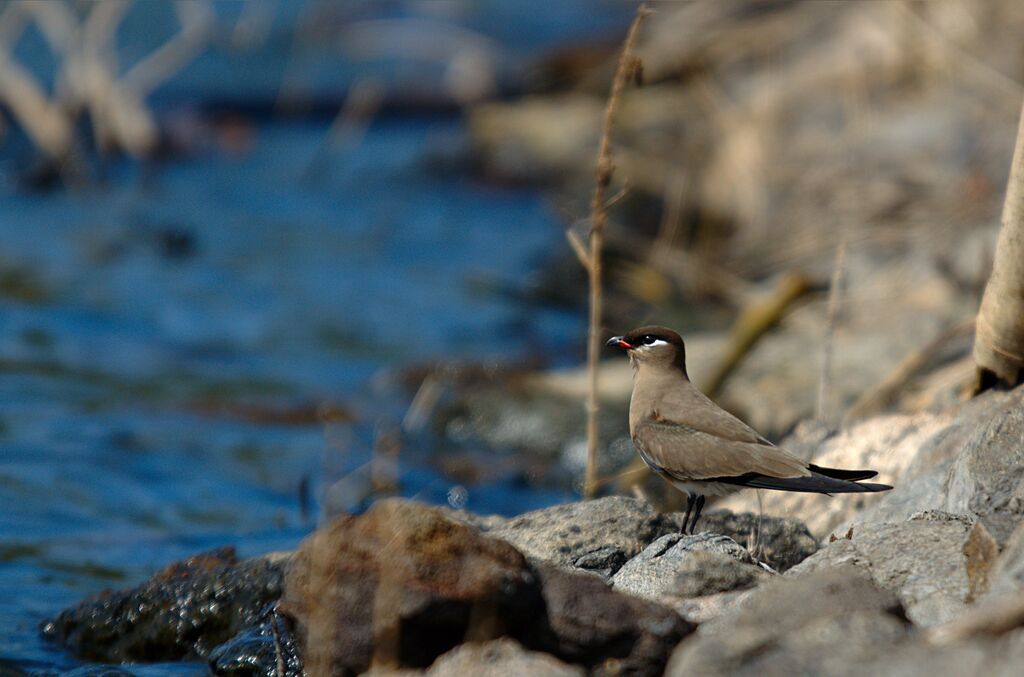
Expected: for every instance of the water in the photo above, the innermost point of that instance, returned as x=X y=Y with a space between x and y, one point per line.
x=166 y=335
x=143 y=323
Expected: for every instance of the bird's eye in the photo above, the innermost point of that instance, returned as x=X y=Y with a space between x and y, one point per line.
x=648 y=340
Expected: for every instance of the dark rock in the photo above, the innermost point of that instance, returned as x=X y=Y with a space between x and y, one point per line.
x=268 y=649
x=603 y=561
x=99 y=671
x=608 y=632
x=923 y=560
x=599 y=534
x=181 y=613
x=655 y=572
x=402 y=584
x=781 y=542
x=499 y=658
x=823 y=623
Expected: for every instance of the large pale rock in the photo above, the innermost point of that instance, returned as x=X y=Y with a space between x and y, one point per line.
x=818 y=624
x=967 y=458
x=688 y=566
x=935 y=563
x=499 y=658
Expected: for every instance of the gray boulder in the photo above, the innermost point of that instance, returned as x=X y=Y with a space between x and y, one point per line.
x=781 y=542
x=823 y=623
x=688 y=566
x=499 y=658
x=936 y=563
x=598 y=535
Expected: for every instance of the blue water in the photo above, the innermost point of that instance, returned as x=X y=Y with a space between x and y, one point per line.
x=141 y=318
x=167 y=333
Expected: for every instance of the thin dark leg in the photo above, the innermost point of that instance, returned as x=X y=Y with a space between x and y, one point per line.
x=696 y=513
x=689 y=507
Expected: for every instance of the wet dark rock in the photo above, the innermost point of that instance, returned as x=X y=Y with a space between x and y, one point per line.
x=823 y=623
x=600 y=534
x=99 y=671
x=181 y=613
x=403 y=583
x=268 y=649
x=499 y=658
x=781 y=542
x=928 y=562
x=608 y=632
x=663 y=567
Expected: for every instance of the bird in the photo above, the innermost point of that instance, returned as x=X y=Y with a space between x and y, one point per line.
x=700 y=448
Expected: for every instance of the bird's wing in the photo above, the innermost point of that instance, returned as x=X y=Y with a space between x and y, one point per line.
x=688 y=406
x=688 y=453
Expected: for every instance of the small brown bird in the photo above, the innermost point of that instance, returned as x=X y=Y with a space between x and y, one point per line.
x=699 y=447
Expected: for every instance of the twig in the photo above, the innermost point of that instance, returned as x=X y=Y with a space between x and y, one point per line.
x=628 y=68
x=835 y=297
x=578 y=248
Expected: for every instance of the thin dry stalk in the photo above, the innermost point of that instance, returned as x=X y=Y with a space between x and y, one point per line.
x=627 y=69
x=835 y=299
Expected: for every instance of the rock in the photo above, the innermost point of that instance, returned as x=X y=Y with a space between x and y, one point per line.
x=268 y=649
x=672 y=565
x=608 y=632
x=499 y=658
x=924 y=561
x=781 y=542
x=401 y=585
x=887 y=444
x=1008 y=573
x=920 y=455
x=822 y=623
x=987 y=478
x=181 y=613
x=708 y=573
x=599 y=535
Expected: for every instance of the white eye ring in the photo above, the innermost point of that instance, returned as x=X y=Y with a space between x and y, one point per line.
x=657 y=342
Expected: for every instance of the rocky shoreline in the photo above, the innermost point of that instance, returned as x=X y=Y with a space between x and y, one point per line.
x=610 y=586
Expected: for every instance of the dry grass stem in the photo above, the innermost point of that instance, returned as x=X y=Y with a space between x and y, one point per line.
x=628 y=69
x=835 y=299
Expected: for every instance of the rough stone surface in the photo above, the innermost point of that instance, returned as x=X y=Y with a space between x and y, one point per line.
x=922 y=560
x=403 y=584
x=781 y=542
x=1008 y=573
x=600 y=534
x=184 y=612
x=822 y=623
x=609 y=632
x=655 y=572
x=499 y=658
x=987 y=478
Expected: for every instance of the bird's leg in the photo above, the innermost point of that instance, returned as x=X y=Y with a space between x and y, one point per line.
x=689 y=507
x=696 y=513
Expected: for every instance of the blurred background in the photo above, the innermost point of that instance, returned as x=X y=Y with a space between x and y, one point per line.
x=266 y=260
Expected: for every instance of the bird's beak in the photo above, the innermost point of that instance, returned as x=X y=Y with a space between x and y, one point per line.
x=618 y=342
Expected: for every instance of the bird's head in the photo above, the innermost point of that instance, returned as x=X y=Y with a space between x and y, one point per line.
x=653 y=345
